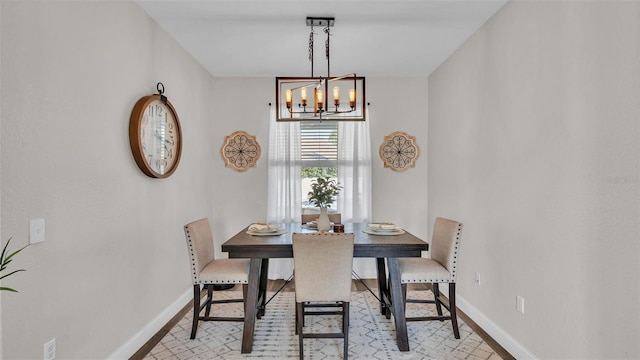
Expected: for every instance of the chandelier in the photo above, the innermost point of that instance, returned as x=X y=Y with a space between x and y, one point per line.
x=320 y=97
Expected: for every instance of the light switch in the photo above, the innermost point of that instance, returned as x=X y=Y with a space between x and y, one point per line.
x=36 y=231
x=520 y=304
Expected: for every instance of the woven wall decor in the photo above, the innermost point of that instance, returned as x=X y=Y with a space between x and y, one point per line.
x=399 y=151
x=240 y=151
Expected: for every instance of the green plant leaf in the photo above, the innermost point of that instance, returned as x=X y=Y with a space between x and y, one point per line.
x=323 y=191
x=11 y=273
x=8 y=259
x=4 y=262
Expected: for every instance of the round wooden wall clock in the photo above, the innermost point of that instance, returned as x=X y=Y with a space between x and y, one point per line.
x=399 y=151
x=240 y=151
x=155 y=135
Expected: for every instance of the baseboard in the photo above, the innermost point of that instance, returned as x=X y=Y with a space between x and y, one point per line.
x=138 y=340
x=498 y=334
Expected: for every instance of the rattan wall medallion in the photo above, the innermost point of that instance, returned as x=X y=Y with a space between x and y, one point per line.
x=240 y=151
x=399 y=151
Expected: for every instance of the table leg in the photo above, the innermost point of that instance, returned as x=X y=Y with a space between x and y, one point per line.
x=382 y=284
x=398 y=308
x=251 y=307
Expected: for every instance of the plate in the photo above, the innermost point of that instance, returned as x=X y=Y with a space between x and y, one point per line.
x=374 y=232
x=275 y=233
x=384 y=230
x=266 y=230
x=382 y=225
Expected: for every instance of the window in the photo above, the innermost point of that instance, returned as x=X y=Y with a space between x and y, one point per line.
x=303 y=149
x=319 y=155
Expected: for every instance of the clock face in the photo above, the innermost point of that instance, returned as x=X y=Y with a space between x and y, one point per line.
x=155 y=136
x=158 y=135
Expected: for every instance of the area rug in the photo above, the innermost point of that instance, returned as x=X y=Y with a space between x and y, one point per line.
x=371 y=335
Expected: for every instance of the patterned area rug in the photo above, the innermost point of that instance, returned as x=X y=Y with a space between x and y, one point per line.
x=371 y=335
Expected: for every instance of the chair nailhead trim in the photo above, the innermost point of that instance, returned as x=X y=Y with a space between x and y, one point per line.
x=455 y=257
x=193 y=262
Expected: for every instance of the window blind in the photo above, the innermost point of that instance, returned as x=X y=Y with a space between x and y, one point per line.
x=319 y=143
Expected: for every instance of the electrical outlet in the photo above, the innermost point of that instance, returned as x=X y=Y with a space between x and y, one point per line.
x=478 y=278
x=520 y=303
x=50 y=349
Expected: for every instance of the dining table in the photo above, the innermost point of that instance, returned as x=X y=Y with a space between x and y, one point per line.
x=385 y=247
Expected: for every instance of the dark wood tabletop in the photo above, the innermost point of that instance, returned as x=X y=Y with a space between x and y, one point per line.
x=243 y=245
x=260 y=249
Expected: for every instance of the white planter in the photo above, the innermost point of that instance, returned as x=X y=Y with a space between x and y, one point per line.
x=323 y=220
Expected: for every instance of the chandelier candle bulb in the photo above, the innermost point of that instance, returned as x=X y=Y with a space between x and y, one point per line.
x=352 y=98
x=319 y=98
x=303 y=95
x=336 y=95
x=289 y=96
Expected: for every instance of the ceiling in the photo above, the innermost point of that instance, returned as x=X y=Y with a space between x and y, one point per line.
x=370 y=38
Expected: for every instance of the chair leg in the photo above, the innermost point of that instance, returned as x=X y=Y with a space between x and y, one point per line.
x=436 y=296
x=345 y=328
x=300 y=312
x=404 y=297
x=388 y=312
x=209 y=299
x=452 y=309
x=296 y=319
x=196 y=310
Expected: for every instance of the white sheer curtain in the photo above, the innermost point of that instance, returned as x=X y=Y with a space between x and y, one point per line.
x=354 y=170
x=285 y=182
x=354 y=175
x=284 y=202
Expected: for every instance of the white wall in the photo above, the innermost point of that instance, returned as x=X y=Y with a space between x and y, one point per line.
x=400 y=104
x=114 y=255
x=240 y=198
x=534 y=145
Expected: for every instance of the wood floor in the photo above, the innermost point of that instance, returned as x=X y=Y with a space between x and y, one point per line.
x=275 y=285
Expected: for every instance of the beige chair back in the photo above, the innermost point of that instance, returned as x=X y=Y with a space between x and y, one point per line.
x=445 y=244
x=323 y=263
x=200 y=245
x=333 y=217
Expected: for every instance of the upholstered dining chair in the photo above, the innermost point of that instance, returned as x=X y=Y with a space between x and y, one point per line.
x=440 y=268
x=333 y=217
x=323 y=263
x=208 y=271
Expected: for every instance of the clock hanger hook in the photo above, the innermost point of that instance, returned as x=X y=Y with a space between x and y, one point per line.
x=160 y=88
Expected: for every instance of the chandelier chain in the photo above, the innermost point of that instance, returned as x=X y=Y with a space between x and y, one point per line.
x=311 y=49
x=326 y=45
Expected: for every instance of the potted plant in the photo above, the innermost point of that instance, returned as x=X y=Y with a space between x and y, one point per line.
x=322 y=195
x=5 y=259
